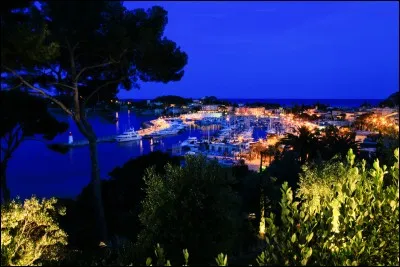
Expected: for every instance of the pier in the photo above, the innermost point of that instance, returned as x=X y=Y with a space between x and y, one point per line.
x=101 y=139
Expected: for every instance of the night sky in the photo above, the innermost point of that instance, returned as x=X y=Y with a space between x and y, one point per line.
x=282 y=49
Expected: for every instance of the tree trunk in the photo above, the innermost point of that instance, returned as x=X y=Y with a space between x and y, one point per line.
x=95 y=181
x=5 y=192
x=101 y=226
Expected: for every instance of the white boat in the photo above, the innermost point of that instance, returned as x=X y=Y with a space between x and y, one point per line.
x=128 y=135
x=169 y=131
x=191 y=141
x=191 y=144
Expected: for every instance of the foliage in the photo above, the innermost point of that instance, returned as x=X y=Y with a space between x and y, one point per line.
x=384 y=148
x=256 y=149
x=172 y=99
x=373 y=122
x=320 y=145
x=196 y=204
x=265 y=105
x=222 y=260
x=342 y=215
x=285 y=167
x=29 y=233
x=29 y=113
x=24 y=36
x=122 y=195
x=212 y=100
x=391 y=101
x=304 y=142
x=102 y=47
x=334 y=142
x=23 y=115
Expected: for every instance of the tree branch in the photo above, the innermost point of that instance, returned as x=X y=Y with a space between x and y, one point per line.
x=17 y=86
x=111 y=61
x=100 y=87
x=95 y=66
x=12 y=143
x=61 y=84
x=75 y=47
x=41 y=91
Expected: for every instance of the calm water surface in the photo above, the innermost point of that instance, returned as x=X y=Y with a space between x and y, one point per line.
x=34 y=169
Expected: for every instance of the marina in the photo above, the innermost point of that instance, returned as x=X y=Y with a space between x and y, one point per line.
x=227 y=138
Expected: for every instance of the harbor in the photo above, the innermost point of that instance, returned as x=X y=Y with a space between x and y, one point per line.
x=226 y=138
x=229 y=135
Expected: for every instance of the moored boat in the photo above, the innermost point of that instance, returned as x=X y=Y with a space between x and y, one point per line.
x=128 y=135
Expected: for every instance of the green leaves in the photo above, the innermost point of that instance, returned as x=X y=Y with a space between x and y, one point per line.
x=221 y=260
x=309 y=237
x=294 y=238
x=344 y=217
x=186 y=256
x=30 y=234
x=195 y=202
x=350 y=157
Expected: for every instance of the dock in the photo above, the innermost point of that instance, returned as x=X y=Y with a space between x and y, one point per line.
x=79 y=143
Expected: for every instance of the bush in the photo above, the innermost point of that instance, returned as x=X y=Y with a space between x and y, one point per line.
x=193 y=207
x=342 y=215
x=122 y=195
x=29 y=234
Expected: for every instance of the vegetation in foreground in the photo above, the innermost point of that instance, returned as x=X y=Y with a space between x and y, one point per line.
x=86 y=51
x=343 y=213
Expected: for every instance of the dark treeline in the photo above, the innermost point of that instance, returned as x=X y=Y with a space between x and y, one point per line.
x=391 y=101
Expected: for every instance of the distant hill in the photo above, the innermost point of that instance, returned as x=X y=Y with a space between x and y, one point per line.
x=173 y=99
x=391 y=101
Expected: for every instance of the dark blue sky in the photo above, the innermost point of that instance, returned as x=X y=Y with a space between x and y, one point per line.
x=282 y=49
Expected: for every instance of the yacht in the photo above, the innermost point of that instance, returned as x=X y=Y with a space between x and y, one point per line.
x=191 y=144
x=128 y=135
x=168 y=132
x=191 y=141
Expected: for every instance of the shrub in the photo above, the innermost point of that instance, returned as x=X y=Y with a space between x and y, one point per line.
x=342 y=215
x=29 y=234
x=193 y=207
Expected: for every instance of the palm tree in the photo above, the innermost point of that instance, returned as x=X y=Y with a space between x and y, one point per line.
x=257 y=148
x=304 y=142
x=334 y=142
x=270 y=152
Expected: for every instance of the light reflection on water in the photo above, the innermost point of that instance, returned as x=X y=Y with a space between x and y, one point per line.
x=117 y=127
x=71 y=156
x=64 y=175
